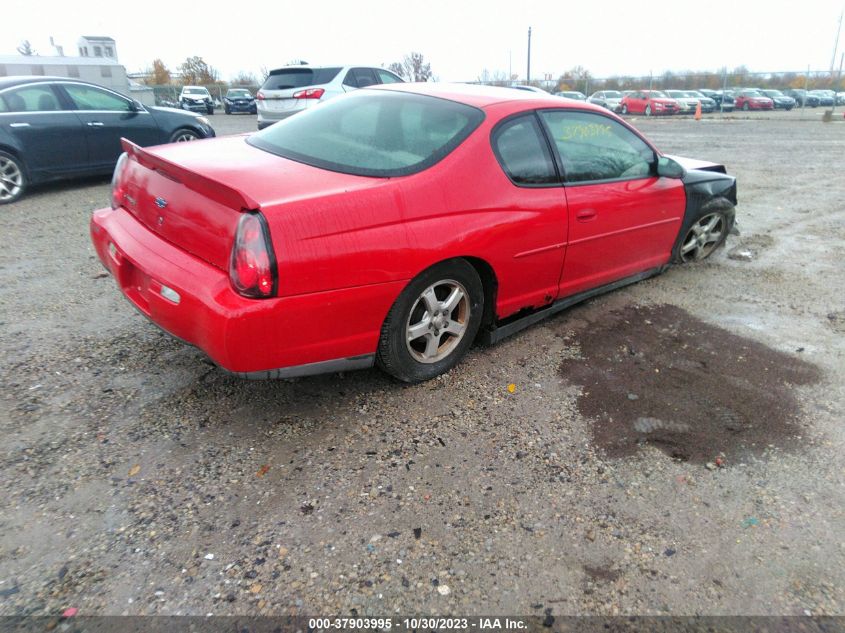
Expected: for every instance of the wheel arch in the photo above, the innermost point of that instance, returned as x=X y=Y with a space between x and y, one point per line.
x=9 y=149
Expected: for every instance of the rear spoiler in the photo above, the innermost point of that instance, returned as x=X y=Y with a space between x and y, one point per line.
x=212 y=189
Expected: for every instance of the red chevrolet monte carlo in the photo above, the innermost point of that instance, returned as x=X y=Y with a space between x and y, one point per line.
x=397 y=225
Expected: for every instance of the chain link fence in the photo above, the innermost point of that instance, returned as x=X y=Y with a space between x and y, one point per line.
x=168 y=94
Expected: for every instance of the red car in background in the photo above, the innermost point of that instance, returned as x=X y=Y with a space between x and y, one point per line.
x=649 y=103
x=753 y=100
x=397 y=225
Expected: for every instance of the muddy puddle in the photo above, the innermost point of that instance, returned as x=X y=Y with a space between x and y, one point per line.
x=657 y=375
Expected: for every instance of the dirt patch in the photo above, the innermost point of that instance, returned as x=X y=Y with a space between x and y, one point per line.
x=657 y=375
x=601 y=574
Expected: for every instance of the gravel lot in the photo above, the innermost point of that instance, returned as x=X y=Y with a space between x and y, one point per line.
x=673 y=447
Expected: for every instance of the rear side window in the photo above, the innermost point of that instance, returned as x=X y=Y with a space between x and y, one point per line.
x=594 y=147
x=523 y=152
x=31 y=99
x=360 y=78
x=288 y=78
x=372 y=133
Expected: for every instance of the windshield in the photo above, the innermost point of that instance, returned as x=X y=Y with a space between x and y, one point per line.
x=655 y=94
x=372 y=133
x=238 y=94
x=195 y=91
x=773 y=93
x=613 y=94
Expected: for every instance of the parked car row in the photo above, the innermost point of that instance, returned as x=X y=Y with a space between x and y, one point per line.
x=654 y=102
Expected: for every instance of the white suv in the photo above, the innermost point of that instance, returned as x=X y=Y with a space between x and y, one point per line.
x=292 y=89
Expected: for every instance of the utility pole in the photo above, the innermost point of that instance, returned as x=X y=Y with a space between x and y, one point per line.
x=528 y=74
x=836 y=44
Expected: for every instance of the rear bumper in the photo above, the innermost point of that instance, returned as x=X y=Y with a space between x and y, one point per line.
x=269 y=338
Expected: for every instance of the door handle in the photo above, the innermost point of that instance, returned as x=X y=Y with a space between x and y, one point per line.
x=95 y=124
x=18 y=124
x=586 y=215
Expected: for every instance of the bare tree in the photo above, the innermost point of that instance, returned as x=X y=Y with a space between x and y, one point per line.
x=413 y=67
x=244 y=79
x=26 y=49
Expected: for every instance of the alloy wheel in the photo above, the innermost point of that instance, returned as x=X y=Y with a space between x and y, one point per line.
x=11 y=179
x=703 y=237
x=438 y=321
x=184 y=137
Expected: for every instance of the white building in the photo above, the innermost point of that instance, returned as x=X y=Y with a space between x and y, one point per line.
x=97 y=46
x=97 y=63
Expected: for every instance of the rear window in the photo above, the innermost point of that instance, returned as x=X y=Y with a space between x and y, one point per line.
x=372 y=133
x=288 y=78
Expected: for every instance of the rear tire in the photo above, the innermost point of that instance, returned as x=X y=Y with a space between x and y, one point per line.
x=12 y=178
x=746 y=107
x=648 y=110
x=705 y=232
x=433 y=322
x=625 y=108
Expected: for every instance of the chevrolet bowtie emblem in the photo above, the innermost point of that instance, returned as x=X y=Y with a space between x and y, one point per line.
x=161 y=203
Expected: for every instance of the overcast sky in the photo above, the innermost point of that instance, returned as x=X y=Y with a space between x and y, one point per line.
x=459 y=38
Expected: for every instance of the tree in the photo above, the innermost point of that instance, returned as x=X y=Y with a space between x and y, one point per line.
x=159 y=75
x=413 y=67
x=244 y=79
x=26 y=49
x=195 y=71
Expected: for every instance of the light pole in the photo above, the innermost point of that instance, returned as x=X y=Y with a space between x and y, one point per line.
x=528 y=74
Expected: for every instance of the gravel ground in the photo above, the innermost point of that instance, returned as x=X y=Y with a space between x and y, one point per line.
x=138 y=479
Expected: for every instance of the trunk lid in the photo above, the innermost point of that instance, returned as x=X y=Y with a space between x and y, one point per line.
x=192 y=194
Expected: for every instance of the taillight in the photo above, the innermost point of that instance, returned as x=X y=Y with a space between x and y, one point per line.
x=260 y=96
x=116 y=182
x=252 y=267
x=310 y=93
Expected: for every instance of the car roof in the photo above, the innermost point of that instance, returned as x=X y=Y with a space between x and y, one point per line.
x=19 y=80
x=482 y=96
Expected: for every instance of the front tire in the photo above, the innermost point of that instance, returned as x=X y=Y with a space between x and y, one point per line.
x=184 y=135
x=648 y=110
x=433 y=322
x=624 y=108
x=705 y=232
x=746 y=107
x=12 y=178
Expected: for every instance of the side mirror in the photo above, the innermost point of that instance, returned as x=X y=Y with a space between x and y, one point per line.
x=134 y=106
x=668 y=168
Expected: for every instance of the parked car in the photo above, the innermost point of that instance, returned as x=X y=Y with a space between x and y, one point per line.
x=825 y=97
x=52 y=128
x=725 y=100
x=572 y=94
x=749 y=99
x=293 y=89
x=707 y=103
x=196 y=99
x=686 y=99
x=780 y=100
x=396 y=226
x=239 y=100
x=649 y=102
x=528 y=88
x=840 y=98
x=803 y=98
x=610 y=99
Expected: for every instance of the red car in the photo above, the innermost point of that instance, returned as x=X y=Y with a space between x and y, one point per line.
x=649 y=103
x=397 y=225
x=753 y=100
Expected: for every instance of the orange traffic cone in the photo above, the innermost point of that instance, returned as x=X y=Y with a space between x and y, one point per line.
x=698 y=111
